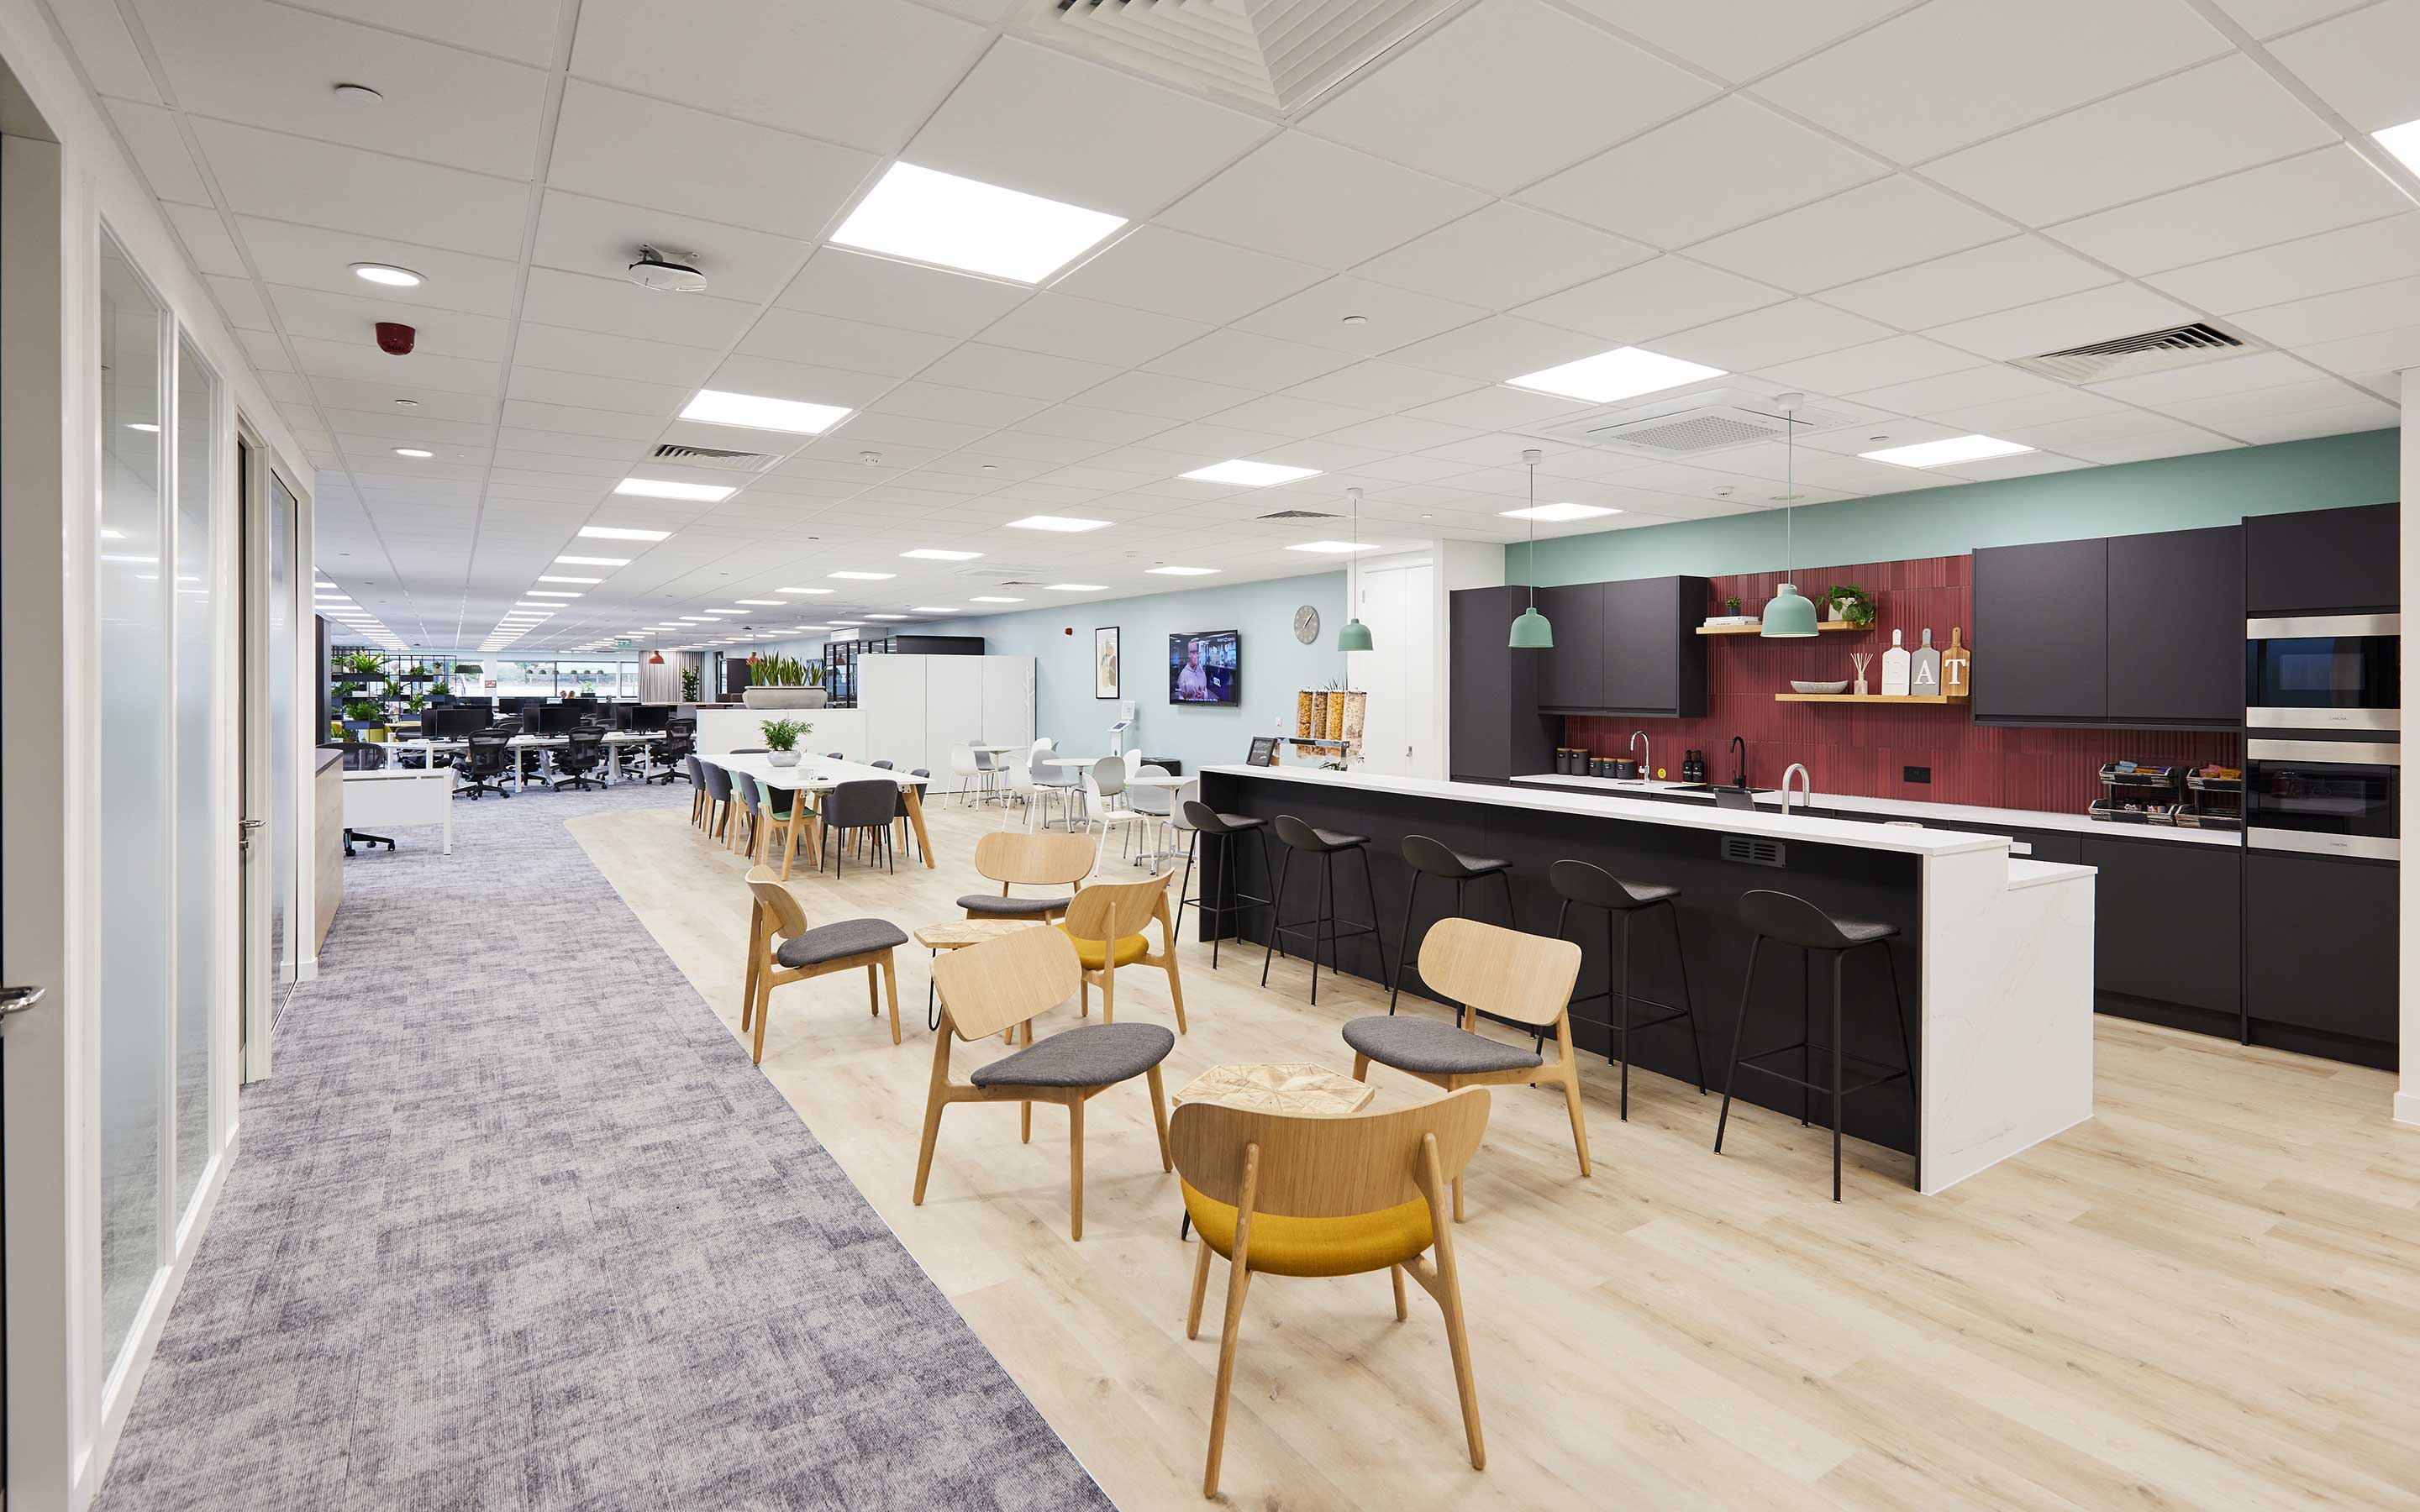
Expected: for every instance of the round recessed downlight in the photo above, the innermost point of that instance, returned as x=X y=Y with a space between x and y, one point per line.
x=1356 y=319
x=388 y=274
x=409 y=403
x=357 y=94
x=412 y=451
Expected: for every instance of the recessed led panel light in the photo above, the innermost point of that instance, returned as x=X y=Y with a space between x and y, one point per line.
x=718 y=406
x=618 y=532
x=591 y=562
x=1619 y=374
x=704 y=493
x=556 y=577
x=802 y=590
x=1065 y=524
x=932 y=608
x=863 y=577
x=975 y=227
x=2404 y=142
x=1250 y=474
x=994 y=598
x=1181 y=572
x=1552 y=513
x=552 y=592
x=1075 y=588
x=719 y=612
x=144 y=426
x=388 y=274
x=695 y=619
x=760 y=603
x=413 y=451
x=1941 y=454
x=930 y=553
x=886 y=616
x=1332 y=548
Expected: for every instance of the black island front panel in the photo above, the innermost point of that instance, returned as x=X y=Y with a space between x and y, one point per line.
x=1791 y=991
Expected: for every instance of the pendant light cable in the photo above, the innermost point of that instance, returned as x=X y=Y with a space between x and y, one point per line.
x=1790 y=615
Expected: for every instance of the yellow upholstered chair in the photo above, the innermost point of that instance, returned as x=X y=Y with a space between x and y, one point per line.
x=1001 y=983
x=1486 y=968
x=782 y=949
x=1107 y=922
x=1285 y=1195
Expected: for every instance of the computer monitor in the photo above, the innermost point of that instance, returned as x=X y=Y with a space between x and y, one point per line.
x=625 y=716
x=557 y=719
x=526 y=707
x=457 y=722
x=650 y=716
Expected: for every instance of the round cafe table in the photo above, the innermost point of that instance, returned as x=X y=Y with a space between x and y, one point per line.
x=1295 y=1086
x=956 y=934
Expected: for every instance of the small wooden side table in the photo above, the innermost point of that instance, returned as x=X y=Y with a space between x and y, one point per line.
x=1294 y=1087
x=956 y=934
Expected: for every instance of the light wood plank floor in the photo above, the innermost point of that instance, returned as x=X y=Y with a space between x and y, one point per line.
x=2208 y=1296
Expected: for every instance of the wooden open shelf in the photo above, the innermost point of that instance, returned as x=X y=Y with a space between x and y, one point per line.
x=1759 y=629
x=1862 y=698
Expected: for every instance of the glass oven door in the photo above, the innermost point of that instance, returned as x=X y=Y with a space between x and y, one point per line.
x=2322 y=797
x=2332 y=671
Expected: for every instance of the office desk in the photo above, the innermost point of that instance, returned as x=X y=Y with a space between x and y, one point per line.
x=816 y=774
x=400 y=796
x=620 y=740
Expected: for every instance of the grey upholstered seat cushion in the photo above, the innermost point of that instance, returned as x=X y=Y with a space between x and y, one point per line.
x=998 y=907
x=1433 y=1048
x=1860 y=931
x=829 y=942
x=1095 y=1055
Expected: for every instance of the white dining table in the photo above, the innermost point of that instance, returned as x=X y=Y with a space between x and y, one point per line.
x=815 y=774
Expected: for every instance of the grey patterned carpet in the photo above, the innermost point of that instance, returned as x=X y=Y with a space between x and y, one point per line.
x=516 y=1225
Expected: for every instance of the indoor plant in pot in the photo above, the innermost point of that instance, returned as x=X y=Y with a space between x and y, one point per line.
x=1852 y=604
x=689 y=685
x=782 y=740
x=780 y=683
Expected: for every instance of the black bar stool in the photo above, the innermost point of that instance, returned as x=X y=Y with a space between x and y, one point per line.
x=1324 y=843
x=1223 y=827
x=1794 y=921
x=1434 y=859
x=1593 y=887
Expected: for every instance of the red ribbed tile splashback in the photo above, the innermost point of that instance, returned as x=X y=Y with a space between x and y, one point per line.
x=1859 y=749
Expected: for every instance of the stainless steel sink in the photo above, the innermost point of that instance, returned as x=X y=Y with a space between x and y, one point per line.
x=1717 y=787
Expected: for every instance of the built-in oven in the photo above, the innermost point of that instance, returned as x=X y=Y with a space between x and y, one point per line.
x=2324 y=672
x=2322 y=797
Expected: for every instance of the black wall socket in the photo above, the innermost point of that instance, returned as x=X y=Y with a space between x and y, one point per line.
x=1916 y=774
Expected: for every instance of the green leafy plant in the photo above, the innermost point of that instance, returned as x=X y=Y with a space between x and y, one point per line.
x=814 y=674
x=1730 y=604
x=689 y=685
x=1860 y=604
x=783 y=734
x=361 y=709
x=777 y=671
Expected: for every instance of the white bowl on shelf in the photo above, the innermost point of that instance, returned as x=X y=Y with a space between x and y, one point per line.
x=1840 y=686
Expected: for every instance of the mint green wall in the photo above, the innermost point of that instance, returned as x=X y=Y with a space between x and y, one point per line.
x=1275 y=664
x=2169 y=494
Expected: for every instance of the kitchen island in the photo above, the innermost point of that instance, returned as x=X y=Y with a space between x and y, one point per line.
x=1993 y=954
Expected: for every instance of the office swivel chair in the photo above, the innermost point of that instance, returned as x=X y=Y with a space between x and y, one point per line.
x=364 y=756
x=671 y=753
x=578 y=759
x=484 y=765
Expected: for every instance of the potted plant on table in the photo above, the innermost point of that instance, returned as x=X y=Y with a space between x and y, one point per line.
x=782 y=740
x=1851 y=604
x=781 y=683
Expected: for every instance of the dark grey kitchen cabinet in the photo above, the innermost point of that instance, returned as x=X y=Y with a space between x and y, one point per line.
x=2319 y=943
x=2323 y=561
x=2167 y=924
x=1496 y=732
x=1655 y=658
x=2175 y=627
x=1572 y=675
x=2042 y=633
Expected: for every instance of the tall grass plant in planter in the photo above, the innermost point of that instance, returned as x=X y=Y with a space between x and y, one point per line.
x=781 y=683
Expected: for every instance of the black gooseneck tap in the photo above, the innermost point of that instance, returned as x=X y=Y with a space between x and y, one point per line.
x=1739 y=747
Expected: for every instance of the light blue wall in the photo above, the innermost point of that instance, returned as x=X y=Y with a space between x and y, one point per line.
x=1275 y=664
x=2169 y=494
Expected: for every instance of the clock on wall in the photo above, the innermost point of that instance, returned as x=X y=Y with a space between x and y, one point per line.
x=1305 y=625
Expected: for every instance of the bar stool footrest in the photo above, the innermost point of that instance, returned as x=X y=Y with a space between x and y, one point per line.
x=1875 y=1072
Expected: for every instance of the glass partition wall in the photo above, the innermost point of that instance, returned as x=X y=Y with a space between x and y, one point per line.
x=161 y=779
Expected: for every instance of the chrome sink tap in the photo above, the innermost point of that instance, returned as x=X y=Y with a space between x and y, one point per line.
x=1646 y=764
x=1805 y=790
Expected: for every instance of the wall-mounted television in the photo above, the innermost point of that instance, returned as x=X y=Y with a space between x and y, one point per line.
x=1205 y=666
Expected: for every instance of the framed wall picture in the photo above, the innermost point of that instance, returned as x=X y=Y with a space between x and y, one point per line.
x=1105 y=662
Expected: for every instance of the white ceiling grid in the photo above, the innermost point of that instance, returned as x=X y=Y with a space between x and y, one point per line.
x=1878 y=202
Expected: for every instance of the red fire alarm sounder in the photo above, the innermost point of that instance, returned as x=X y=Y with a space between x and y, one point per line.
x=396 y=338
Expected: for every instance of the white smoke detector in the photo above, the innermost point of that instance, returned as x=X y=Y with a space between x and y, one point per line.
x=657 y=271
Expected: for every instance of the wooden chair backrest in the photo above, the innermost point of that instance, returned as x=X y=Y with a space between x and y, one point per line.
x=789 y=915
x=1113 y=910
x=1319 y=1167
x=1037 y=860
x=987 y=987
x=1526 y=977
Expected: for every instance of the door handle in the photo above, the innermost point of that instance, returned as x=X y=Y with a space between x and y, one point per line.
x=15 y=1000
x=243 y=828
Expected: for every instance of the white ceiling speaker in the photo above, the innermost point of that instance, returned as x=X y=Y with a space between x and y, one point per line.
x=656 y=271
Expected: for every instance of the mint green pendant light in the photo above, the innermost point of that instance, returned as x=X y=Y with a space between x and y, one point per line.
x=1356 y=635
x=1790 y=615
x=1531 y=632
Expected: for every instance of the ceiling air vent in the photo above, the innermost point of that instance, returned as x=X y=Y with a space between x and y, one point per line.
x=2150 y=351
x=1690 y=424
x=716 y=458
x=1298 y=514
x=1273 y=55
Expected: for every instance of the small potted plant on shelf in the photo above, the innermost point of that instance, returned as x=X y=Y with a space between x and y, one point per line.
x=782 y=740
x=1851 y=605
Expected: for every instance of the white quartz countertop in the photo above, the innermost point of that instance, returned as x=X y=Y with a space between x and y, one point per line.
x=1850 y=832
x=1946 y=814
x=2025 y=873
